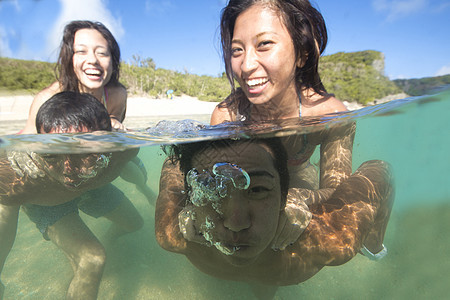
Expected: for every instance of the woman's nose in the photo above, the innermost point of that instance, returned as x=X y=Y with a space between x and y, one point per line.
x=91 y=57
x=236 y=213
x=250 y=61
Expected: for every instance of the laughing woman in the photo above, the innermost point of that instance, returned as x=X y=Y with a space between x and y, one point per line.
x=272 y=49
x=89 y=62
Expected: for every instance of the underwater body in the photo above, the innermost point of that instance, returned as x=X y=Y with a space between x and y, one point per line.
x=412 y=134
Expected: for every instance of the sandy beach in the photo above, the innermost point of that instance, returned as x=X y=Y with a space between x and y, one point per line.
x=17 y=107
x=14 y=110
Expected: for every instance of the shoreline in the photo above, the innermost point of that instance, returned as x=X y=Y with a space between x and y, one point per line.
x=16 y=107
x=141 y=111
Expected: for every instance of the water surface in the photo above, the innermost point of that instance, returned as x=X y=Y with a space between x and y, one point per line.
x=411 y=134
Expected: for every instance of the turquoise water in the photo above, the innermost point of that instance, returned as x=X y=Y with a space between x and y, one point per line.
x=413 y=135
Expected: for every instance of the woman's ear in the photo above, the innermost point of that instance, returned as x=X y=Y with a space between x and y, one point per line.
x=301 y=60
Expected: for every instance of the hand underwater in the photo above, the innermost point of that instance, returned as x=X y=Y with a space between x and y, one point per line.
x=22 y=163
x=292 y=222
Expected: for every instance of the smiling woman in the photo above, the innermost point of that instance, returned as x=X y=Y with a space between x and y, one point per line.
x=65 y=184
x=89 y=47
x=89 y=62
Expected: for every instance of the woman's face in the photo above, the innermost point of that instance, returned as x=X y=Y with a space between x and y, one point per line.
x=263 y=56
x=92 y=61
x=247 y=220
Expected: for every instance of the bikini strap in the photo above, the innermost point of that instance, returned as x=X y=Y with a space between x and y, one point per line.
x=300 y=105
x=105 y=97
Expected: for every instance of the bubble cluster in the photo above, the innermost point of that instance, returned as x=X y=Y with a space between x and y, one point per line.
x=207 y=187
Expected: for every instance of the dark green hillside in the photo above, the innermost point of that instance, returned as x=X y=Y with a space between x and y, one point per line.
x=421 y=86
x=27 y=75
x=356 y=76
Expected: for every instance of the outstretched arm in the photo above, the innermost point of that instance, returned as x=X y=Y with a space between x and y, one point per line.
x=356 y=214
x=335 y=167
x=169 y=204
x=336 y=145
x=336 y=155
x=41 y=97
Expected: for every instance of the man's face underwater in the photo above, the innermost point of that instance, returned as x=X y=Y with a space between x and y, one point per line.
x=240 y=215
x=72 y=170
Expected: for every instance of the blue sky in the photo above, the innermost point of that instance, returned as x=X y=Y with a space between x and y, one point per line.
x=183 y=34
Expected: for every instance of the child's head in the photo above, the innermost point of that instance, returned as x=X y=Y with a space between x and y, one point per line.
x=215 y=149
x=72 y=112
x=237 y=189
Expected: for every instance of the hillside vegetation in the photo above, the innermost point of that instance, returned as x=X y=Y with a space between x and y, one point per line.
x=421 y=86
x=27 y=75
x=356 y=76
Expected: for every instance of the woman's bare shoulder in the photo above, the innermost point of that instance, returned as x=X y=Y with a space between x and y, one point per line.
x=333 y=105
x=47 y=92
x=38 y=100
x=227 y=110
x=222 y=113
x=117 y=96
x=117 y=90
x=314 y=104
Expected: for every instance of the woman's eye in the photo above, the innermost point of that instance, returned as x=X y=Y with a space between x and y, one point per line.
x=264 y=44
x=236 y=51
x=80 y=52
x=103 y=53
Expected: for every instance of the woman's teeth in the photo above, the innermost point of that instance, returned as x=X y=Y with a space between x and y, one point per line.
x=93 y=72
x=255 y=82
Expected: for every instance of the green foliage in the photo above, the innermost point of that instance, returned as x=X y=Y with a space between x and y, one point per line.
x=155 y=82
x=356 y=76
x=417 y=87
x=25 y=75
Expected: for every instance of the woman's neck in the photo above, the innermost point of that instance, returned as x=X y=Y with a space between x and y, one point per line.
x=97 y=93
x=285 y=108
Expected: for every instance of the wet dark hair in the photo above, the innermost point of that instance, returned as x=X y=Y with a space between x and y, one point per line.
x=64 y=67
x=305 y=25
x=184 y=153
x=74 y=110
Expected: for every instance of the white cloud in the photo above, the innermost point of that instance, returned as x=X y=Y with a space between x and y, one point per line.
x=395 y=9
x=445 y=70
x=4 y=43
x=94 y=10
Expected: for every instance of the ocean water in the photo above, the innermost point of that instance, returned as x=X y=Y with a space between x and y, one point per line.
x=413 y=135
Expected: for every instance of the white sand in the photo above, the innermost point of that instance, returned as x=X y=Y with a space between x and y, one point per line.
x=185 y=105
x=17 y=107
